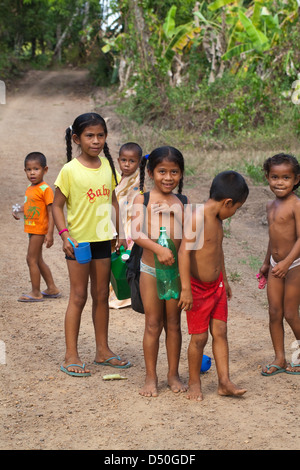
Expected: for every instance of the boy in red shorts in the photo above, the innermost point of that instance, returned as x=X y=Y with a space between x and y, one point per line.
x=204 y=284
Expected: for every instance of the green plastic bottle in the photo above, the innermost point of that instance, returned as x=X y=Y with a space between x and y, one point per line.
x=118 y=274
x=167 y=277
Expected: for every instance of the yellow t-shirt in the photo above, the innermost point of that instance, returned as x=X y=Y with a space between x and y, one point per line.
x=88 y=195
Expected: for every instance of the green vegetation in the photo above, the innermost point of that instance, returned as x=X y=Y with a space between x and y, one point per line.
x=42 y=33
x=211 y=76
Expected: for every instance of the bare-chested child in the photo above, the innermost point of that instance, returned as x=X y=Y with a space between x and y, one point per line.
x=204 y=283
x=282 y=262
x=165 y=167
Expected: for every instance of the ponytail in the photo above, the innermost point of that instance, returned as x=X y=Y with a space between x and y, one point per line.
x=142 y=172
x=180 y=185
x=68 y=138
x=111 y=162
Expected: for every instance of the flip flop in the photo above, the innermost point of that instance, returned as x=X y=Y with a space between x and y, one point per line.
x=107 y=363
x=51 y=296
x=75 y=374
x=291 y=372
x=278 y=371
x=29 y=298
x=262 y=281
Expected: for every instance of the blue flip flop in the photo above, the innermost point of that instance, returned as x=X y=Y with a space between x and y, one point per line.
x=278 y=371
x=51 y=296
x=29 y=298
x=75 y=374
x=107 y=363
x=291 y=372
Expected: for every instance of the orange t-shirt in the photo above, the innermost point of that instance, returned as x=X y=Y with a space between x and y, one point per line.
x=37 y=198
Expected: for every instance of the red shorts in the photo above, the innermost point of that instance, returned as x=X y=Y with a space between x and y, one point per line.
x=209 y=301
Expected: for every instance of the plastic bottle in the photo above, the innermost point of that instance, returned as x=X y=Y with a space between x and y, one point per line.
x=167 y=277
x=118 y=274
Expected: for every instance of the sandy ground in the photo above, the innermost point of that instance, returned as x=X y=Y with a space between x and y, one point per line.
x=42 y=408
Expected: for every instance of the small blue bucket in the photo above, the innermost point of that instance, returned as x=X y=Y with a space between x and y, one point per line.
x=83 y=252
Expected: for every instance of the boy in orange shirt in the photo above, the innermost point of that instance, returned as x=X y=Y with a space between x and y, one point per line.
x=39 y=225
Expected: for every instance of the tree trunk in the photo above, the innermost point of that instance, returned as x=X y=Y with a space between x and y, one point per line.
x=142 y=40
x=57 y=50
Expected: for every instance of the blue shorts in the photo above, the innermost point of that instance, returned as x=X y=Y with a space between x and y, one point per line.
x=100 y=250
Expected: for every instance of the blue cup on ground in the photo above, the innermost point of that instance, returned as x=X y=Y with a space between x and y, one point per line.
x=83 y=253
x=206 y=363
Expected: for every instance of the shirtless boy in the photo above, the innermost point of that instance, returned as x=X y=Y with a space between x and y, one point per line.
x=204 y=283
x=282 y=263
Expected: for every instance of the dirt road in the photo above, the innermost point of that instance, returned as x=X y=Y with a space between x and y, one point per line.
x=42 y=408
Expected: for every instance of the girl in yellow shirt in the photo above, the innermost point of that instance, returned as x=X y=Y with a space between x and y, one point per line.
x=86 y=185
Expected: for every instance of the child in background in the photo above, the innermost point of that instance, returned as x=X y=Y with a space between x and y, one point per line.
x=204 y=284
x=282 y=262
x=38 y=223
x=86 y=185
x=129 y=160
x=165 y=167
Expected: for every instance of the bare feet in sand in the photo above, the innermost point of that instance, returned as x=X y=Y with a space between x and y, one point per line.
x=150 y=388
x=229 y=389
x=176 y=384
x=194 y=392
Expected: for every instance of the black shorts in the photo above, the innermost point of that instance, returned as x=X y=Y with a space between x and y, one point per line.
x=99 y=250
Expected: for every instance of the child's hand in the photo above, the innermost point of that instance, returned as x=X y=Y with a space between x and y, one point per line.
x=262 y=280
x=281 y=269
x=165 y=256
x=15 y=216
x=121 y=242
x=17 y=210
x=186 y=300
x=227 y=289
x=160 y=206
x=264 y=270
x=68 y=248
x=48 y=240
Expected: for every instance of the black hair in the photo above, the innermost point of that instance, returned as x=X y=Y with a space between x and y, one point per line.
x=40 y=157
x=156 y=157
x=133 y=147
x=78 y=126
x=229 y=185
x=279 y=159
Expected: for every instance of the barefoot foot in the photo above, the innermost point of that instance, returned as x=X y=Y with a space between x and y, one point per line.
x=230 y=390
x=149 y=389
x=194 y=392
x=176 y=385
